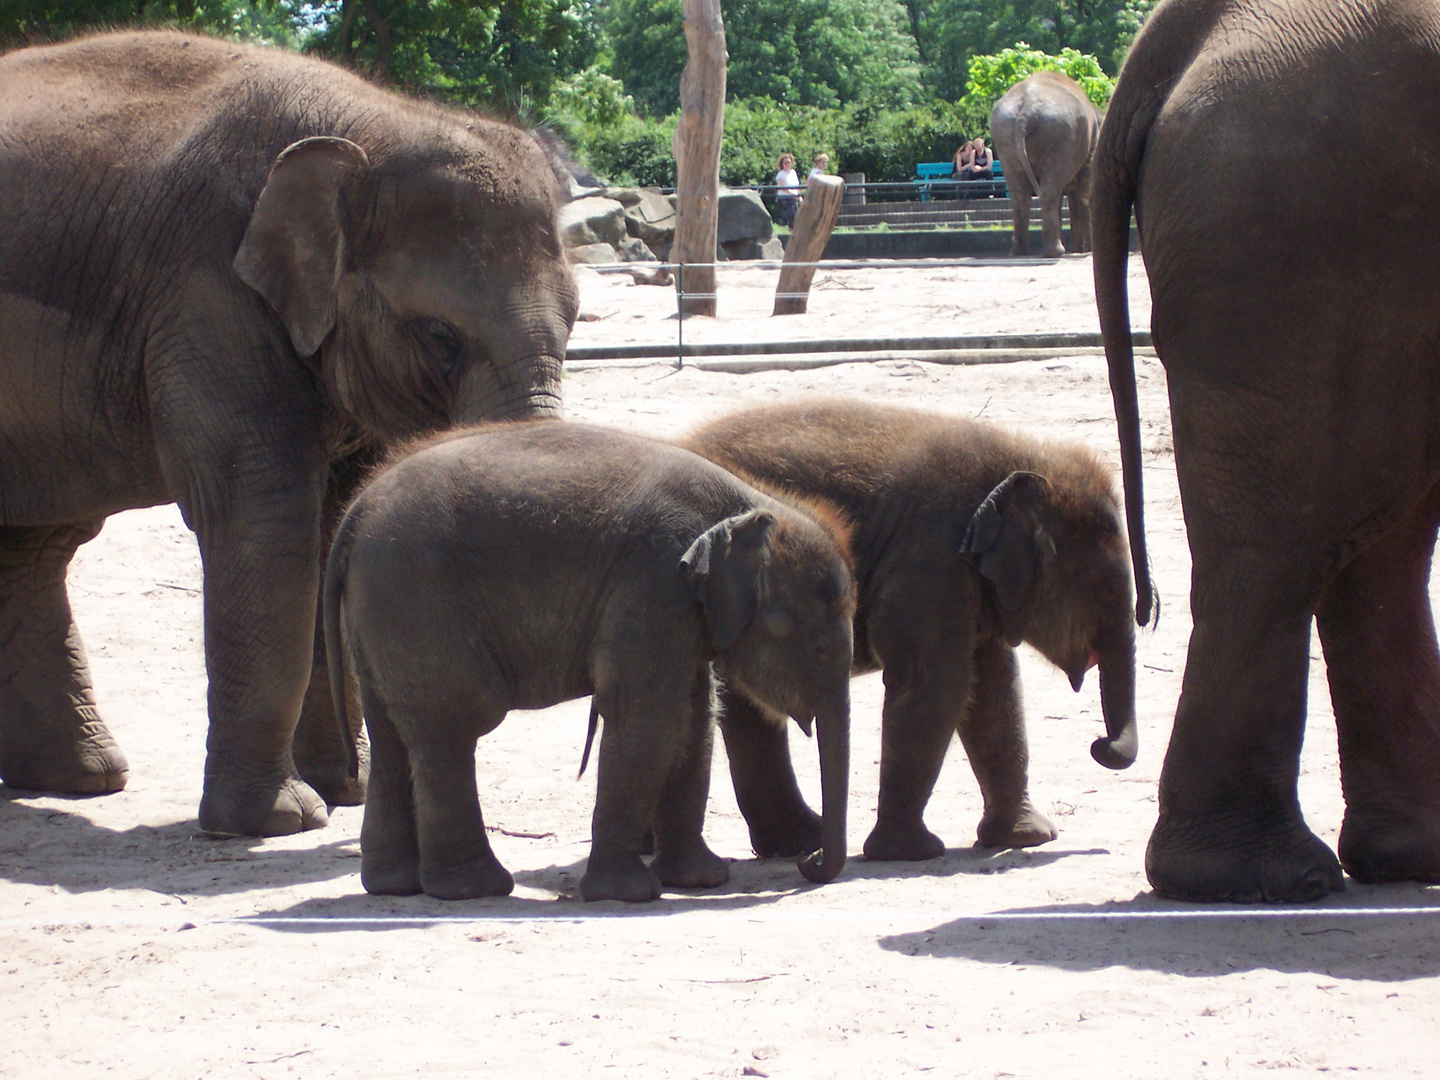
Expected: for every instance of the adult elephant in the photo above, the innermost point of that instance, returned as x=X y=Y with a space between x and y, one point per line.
x=1044 y=130
x=1301 y=339
x=221 y=268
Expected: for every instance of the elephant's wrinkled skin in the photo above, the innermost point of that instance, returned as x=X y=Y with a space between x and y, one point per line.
x=1301 y=341
x=1044 y=129
x=967 y=541
x=220 y=268
x=518 y=566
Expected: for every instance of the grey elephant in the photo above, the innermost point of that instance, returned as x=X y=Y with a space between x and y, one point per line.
x=967 y=540
x=221 y=267
x=1301 y=343
x=1044 y=129
x=520 y=565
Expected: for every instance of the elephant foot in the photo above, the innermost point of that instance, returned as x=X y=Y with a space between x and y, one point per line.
x=320 y=755
x=333 y=783
x=231 y=810
x=788 y=837
x=1240 y=862
x=470 y=880
x=93 y=765
x=1053 y=252
x=1378 y=847
x=1026 y=827
x=624 y=878
x=694 y=866
x=893 y=843
x=398 y=877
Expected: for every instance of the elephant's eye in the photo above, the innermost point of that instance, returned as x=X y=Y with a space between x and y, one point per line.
x=441 y=342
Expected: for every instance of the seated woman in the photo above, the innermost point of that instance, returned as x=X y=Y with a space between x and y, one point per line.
x=973 y=161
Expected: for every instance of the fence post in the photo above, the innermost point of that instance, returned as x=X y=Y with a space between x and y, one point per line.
x=807 y=243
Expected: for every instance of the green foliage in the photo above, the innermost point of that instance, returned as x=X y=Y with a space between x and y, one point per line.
x=798 y=52
x=31 y=21
x=991 y=76
x=884 y=144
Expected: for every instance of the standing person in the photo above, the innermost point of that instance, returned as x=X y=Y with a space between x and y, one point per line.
x=787 y=190
x=821 y=163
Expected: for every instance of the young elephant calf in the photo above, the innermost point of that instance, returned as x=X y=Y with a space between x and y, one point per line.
x=516 y=566
x=967 y=540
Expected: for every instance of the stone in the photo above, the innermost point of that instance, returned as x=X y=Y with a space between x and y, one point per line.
x=650 y=217
x=751 y=249
x=592 y=220
x=633 y=249
x=742 y=216
x=592 y=254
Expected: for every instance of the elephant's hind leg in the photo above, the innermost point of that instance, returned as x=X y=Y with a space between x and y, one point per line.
x=1383 y=662
x=389 y=844
x=51 y=734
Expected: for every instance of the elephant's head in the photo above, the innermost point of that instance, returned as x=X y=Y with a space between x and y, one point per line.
x=1053 y=553
x=779 y=598
x=425 y=283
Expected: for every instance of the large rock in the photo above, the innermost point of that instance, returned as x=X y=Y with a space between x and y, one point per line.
x=743 y=217
x=751 y=249
x=651 y=216
x=592 y=254
x=593 y=220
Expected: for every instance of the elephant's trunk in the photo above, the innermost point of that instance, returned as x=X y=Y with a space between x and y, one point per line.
x=1118 y=748
x=832 y=731
x=526 y=389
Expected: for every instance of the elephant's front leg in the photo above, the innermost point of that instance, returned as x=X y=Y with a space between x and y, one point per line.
x=261 y=577
x=992 y=730
x=646 y=730
x=683 y=860
x=780 y=822
x=1378 y=634
x=320 y=755
x=922 y=709
x=51 y=734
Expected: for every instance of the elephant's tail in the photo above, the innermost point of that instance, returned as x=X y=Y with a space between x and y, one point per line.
x=1025 y=157
x=589 y=735
x=337 y=570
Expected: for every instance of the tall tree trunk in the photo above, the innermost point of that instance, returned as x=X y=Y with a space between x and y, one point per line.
x=347 y=29
x=384 y=40
x=697 y=154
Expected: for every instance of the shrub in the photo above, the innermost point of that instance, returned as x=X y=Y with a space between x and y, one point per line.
x=992 y=75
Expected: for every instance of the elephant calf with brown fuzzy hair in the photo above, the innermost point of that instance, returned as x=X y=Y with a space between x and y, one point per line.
x=967 y=541
x=520 y=565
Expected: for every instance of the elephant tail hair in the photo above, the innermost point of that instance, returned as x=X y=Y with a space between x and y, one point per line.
x=589 y=736
x=337 y=568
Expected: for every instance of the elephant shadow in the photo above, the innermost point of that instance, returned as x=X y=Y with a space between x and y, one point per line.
x=977 y=861
x=754 y=883
x=54 y=846
x=1382 y=933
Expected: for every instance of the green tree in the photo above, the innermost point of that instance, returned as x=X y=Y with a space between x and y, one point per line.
x=498 y=52
x=991 y=76
x=27 y=21
x=799 y=52
x=949 y=33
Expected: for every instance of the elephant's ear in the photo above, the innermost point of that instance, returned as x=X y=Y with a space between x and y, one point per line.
x=725 y=567
x=1012 y=544
x=294 y=247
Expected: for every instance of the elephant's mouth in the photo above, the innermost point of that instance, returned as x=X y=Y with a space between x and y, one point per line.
x=1077 y=672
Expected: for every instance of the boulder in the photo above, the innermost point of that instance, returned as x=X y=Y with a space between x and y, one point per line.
x=592 y=220
x=633 y=249
x=651 y=217
x=592 y=254
x=742 y=216
x=751 y=249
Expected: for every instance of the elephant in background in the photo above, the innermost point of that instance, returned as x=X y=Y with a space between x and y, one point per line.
x=1301 y=343
x=223 y=268
x=1044 y=129
x=967 y=541
x=516 y=566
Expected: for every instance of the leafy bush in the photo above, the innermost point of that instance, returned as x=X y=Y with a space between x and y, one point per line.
x=992 y=75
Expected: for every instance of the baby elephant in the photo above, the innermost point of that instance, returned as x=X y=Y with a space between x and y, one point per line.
x=516 y=566
x=967 y=541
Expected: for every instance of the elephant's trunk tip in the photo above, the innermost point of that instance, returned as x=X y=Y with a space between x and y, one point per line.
x=1118 y=752
x=820 y=870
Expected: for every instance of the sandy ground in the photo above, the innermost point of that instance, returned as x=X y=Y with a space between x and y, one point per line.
x=131 y=947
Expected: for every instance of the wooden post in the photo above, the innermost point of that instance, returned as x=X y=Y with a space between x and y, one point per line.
x=807 y=241
x=697 y=153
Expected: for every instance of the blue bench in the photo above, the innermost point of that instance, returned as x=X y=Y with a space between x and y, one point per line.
x=928 y=171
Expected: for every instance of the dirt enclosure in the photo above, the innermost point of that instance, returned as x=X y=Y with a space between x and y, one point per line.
x=131 y=947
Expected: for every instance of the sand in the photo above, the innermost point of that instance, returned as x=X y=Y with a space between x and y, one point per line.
x=132 y=947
